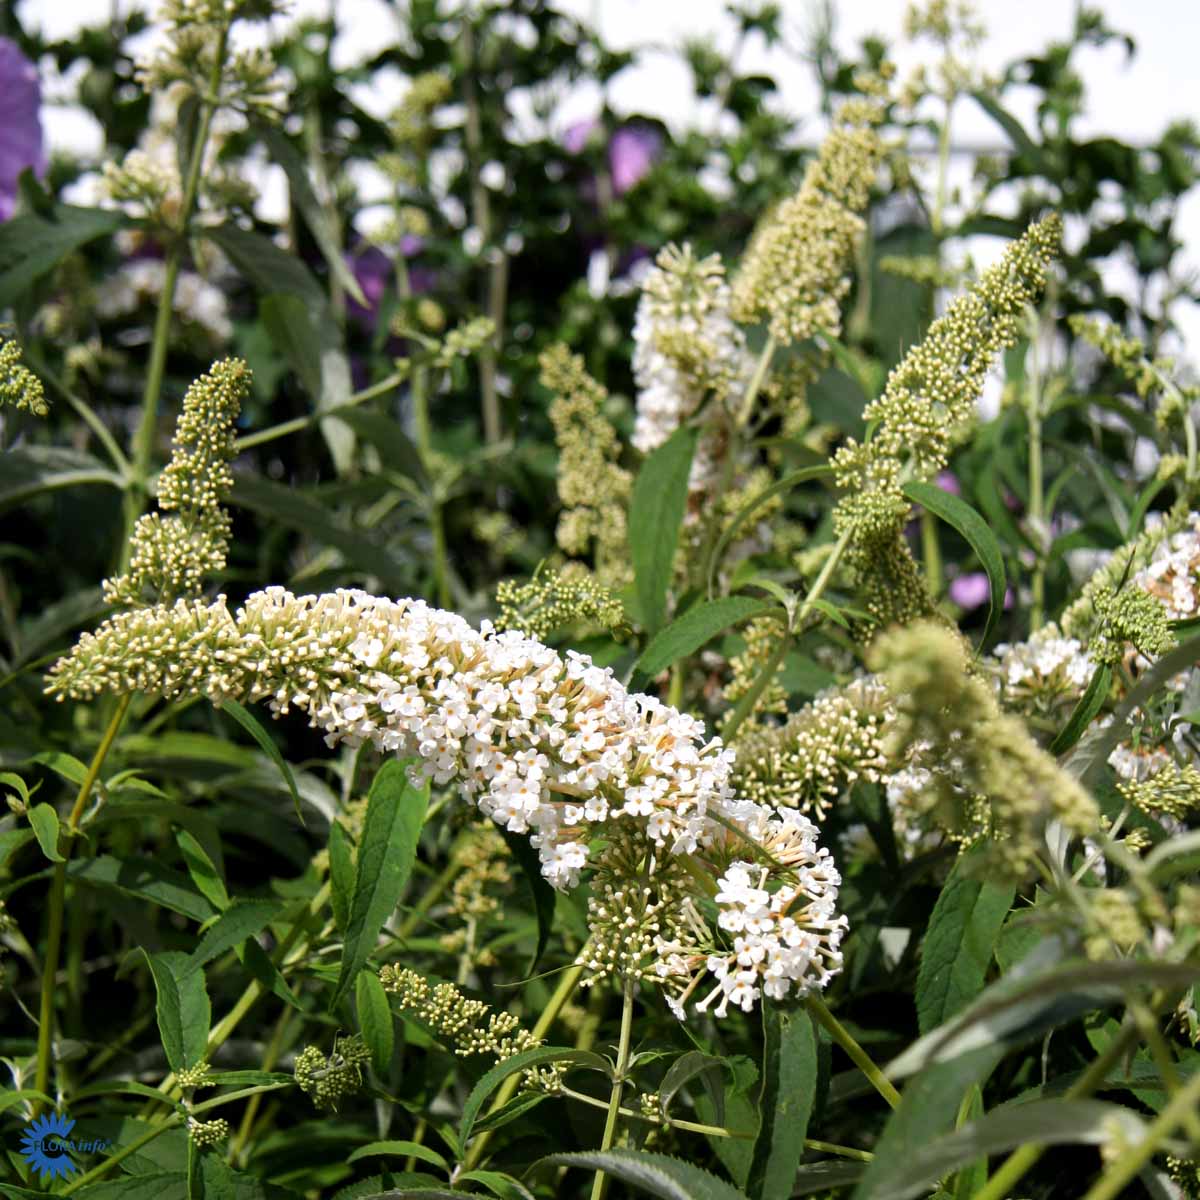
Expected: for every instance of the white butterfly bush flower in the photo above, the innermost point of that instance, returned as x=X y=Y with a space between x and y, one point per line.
x=547 y=745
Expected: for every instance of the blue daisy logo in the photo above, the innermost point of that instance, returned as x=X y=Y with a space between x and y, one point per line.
x=45 y=1143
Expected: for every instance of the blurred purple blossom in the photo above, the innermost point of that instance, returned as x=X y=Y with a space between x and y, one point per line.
x=20 y=123
x=948 y=482
x=970 y=590
x=375 y=272
x=632 y=150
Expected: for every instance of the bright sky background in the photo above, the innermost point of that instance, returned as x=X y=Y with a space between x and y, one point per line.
x=1133 y=100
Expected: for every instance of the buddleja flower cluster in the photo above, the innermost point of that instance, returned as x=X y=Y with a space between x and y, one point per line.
x=686 y=346
x=546 y=745
x=20 y=388
x=172 y=555
x=926 y=409
x=198 y=58
x=593 y=487
x=794 y=274
x=1001 y=786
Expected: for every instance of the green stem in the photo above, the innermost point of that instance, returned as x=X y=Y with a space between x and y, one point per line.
x=931 y=553
x=861 y=1059
x=745 y=706
x=564 y=991
x=482 y=218
x=143 y=441
x=122 y=1154
x=84 y=410
x=1112 y=1183
x=1037 y=515
x=254 y=989
x=1022 y=1160
x=58 y=891
x=600 y=1184
x=756 y=381
x=299 y=424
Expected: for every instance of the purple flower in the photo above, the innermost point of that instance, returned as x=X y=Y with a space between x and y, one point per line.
x=632 y=151
x=20 y=123
x=948 y=482
x=970 y=590
x=375 y=272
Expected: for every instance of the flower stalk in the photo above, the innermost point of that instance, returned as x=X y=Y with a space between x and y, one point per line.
x=621 y=1068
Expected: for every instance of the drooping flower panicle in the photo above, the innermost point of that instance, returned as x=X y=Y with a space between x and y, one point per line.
x=546 y=745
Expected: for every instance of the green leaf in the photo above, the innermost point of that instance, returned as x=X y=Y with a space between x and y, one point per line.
x=822 y=1177
x=241 y=920
x=686 y=1068
x=67 y=766
x=375 y=1019
x=656 y=511
x=44 y=820
x=248 y=1079
x=28 y=471
x=511 y=1066
x=702 y=622
x=1085 y=710
x=498 y=1183
x=268 y=268
x=250 y=723
x=341 y=875
x=183 y=1009
x=1044 y=1122
x=655 y=1174
x=143 y=879
x=544 y=897
x=32 y=244
x=748 y=509
x=170 y=1185
x=789 y=1085
x=397 y=453
x=400 y=1149
x=386 y=853
x=295 y=311
x=958 y=944
x=961 y=516
x=295 y=510
x=305 y=199
x=1021 y=141
x=202 y=870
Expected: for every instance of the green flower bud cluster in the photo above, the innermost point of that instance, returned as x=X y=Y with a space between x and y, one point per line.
x=463 y=341
x=412 y=129
x=205 y=1134
x=762 y=639
x=1129 y=617
x=819 y=752
x=927 y=408
x=1079 y=618
x=20 y=388
x=795 y=272
x=328 y=1081
x=593 y=488
x=190 y=1078
x=557 y=599
x=483 y=863
x=1115 y=923
x=1128 y=355
x=1173 y=791
x=197 y=49
x=638 y=904
x=171 y=556
x=999 y=784
x=455 y=1019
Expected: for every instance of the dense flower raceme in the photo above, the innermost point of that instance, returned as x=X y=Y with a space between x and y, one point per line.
x=544 y=744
